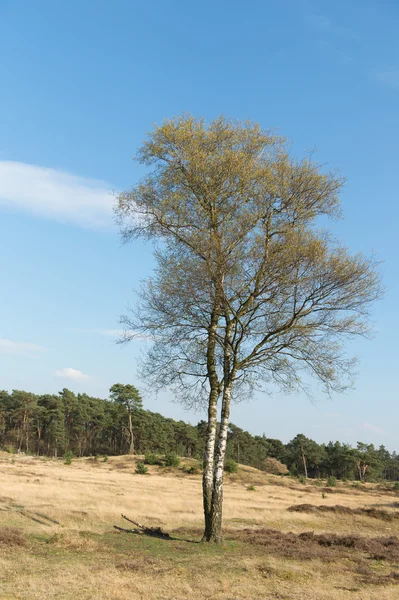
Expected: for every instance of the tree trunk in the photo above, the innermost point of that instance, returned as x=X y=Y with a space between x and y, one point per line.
x=215 y=531
x=305 y=466
x=26 y=419
x=209 y=455
x=209 y=452
x=39 y=435
x=131 y=447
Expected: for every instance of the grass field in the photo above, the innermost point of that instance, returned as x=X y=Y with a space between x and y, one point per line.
x=57 y=538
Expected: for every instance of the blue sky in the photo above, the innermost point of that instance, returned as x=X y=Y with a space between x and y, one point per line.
x=81 y=84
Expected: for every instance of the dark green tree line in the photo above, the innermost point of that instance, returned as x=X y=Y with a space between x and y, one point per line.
x=52 y=424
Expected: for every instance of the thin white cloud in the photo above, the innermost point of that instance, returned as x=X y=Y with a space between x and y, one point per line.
x=56 y=195
x=20 y=348
x=372 y=428
x=116 y=333
x=389 y=77
x=69 y=373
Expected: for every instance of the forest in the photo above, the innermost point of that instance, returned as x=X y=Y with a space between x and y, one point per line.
x=53 y=424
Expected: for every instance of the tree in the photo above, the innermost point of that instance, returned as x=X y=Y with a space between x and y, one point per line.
x=247 y=290
x=25 y=407
x=340 y=460
x=368 y=461
x=304 y=454
x=129 y=397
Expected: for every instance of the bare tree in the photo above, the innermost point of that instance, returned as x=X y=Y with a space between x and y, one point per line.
x=247 y=290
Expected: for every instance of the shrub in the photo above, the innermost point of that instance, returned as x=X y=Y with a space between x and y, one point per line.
x=302 y=479
x=230 y=466
x=151 y=459
x=172 y=460
x=251 y=488
x=193 y=470
x=105 y=458
x=11 y=536
x=396 y=486
x=141 y=469
x=274 y=467
x=331 y=481
x=68 y=456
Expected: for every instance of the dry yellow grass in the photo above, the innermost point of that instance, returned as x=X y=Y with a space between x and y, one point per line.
x=66 y=515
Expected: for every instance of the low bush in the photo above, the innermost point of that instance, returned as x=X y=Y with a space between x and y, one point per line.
x=193 y=470
x=11 y=536
x=172 y=460
x=331 y=481
x=141 y=469
x=230 y=466
x=151 y=459
x=274 y=467
x=68 y=456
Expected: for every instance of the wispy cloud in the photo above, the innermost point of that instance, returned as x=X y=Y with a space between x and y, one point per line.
x=372 y=428
x=116 y=333
x=21 y=348
x=389 y=77
x=326 y=25
x=56 y=194
x=69 y=373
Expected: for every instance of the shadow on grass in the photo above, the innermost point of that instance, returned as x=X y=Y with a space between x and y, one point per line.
x=156 y=533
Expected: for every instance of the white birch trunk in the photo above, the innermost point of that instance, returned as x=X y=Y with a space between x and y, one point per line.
x=215 y=534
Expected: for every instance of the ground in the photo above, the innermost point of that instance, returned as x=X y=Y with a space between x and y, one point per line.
x=57 y=539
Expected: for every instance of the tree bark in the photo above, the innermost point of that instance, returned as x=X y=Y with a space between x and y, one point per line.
x=215 y=530
x=305 y=466
x=209 y=452
x=26 y=423
x=209 y=455
x=131 y=446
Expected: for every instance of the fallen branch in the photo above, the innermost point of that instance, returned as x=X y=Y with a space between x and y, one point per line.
x=143 y=530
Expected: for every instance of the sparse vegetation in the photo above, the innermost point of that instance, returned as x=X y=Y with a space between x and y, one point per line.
x=152 y=459
x=68 y=528
x=172 y=460
x=68 y=456
x=11 y=536
x=141 y=469
x=274 y=466
x=230 y=466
